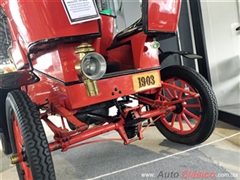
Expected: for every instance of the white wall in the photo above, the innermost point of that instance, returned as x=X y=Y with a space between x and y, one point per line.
x=220 y=19
x=126 y=11
x=130 y=12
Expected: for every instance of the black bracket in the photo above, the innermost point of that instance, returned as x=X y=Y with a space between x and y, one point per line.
x=17 y=79
x=185 y=54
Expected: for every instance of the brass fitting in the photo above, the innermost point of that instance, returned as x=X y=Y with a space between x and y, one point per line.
x=91 y=87
x=84 y=48
x=14 y=159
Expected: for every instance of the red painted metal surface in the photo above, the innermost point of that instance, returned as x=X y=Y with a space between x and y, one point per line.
x=144 y=57
x=163 y=15
x=59 y=63
x=18 y=55
x=122 y=54
x=75 y=96
x=39 y=20
x=107 y=25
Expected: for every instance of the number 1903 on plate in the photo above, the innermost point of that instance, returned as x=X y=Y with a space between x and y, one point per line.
x=146 y=80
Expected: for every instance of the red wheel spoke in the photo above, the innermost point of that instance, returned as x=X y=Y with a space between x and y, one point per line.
x=180 y=122
x=173 y=119
x=192 y=105
x=169 y=93
x=166 y=123
x=187 y=121
x=164 y=119
x=191 y=114
x=181 y=93
x=174 y=90
x=164 y=97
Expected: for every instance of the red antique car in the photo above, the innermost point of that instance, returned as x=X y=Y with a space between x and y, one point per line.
x=70 y=65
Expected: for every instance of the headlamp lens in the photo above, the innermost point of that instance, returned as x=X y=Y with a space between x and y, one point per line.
x=93 y=66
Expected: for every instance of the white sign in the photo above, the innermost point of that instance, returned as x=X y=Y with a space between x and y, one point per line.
x=79 y=11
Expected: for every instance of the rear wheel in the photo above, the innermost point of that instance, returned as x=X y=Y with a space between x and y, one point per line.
x=4 y=135
x=28 y=138
x=194 y=120
x=5 y=39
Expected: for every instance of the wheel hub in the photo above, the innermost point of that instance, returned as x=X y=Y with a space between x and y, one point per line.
x=179 y=107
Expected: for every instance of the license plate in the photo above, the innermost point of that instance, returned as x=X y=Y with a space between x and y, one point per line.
x=146 y=80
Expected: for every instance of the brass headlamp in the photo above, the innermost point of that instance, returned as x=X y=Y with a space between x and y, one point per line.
x=91 y=66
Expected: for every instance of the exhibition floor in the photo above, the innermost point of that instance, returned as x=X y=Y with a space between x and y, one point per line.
x=152 y=158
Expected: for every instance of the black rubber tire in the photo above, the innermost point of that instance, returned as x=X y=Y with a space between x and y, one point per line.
x=208 y=104
x=6 y=146
x=4 y=136
x=20 y=108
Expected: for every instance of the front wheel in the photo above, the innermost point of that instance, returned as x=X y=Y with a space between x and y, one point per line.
x=4 y=135
x=28 y=139
x=194 y=120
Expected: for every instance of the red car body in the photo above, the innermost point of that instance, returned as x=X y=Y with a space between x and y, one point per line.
x=49 y=52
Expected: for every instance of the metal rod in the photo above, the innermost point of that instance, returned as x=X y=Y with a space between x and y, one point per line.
x=82 y=136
